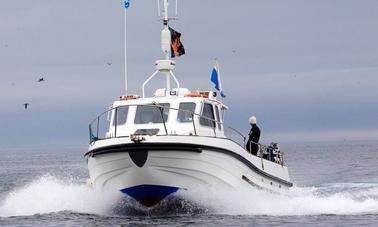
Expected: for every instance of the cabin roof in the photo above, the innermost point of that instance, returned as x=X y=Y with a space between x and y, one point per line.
x=136 y=100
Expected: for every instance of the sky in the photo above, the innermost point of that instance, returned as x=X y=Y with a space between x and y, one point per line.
x=308 y=70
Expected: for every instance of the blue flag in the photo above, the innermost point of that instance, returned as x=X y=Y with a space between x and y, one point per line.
x=215 y=78
x=127 y=4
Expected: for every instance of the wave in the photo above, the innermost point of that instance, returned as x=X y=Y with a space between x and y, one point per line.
x=338 y=199
x=49 y=194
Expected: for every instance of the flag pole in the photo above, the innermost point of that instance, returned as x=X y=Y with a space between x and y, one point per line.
x=126 y=5
x=219 y=78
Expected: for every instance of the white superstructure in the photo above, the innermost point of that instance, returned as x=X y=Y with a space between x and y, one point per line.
x=150 y=147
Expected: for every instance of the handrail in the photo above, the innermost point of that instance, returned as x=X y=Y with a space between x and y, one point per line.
x=244 y=138
x=266 y=150
x=115 y=121
x=162 y=118
x=194 y=125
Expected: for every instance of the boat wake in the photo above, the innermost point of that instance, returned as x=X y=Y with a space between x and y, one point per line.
x=49 y=194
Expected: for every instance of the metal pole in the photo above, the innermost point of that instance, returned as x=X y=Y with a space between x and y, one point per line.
x=168 y=83
x=158 y=4
x=125 y=55
x=214 y=125
x=115 y=122
x=161 y=109
x=90 y=134
x=98 y=125
x=165 y=23
x=175 y=79
x=149 y=78
x=194 y=125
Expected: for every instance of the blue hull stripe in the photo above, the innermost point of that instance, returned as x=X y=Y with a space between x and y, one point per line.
x=149 y=195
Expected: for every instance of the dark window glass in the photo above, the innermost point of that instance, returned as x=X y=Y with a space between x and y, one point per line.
x=207 y=112
x=186 y=111
x=218 y=117
x=121 y=115
x=151 y=114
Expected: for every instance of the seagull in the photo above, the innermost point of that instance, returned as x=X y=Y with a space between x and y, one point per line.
x=26 y=105
x=109 y=63
x=234 y=51
x=41 y=79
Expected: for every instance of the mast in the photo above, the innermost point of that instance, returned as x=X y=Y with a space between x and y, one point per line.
x=166 y=27
x=166 y=50
x=165 y=66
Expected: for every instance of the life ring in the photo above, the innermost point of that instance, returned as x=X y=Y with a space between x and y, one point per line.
x=128 y=97
x=193 y=95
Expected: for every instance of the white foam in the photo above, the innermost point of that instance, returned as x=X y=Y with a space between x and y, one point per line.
x=49 y=194
x=341 y=200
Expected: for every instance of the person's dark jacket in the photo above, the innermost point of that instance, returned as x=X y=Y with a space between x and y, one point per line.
x=254 y=136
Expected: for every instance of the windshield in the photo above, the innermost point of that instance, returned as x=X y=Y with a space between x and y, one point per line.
x=186 y=110
x=151 y=114
x=121 y=113
x=208 y=115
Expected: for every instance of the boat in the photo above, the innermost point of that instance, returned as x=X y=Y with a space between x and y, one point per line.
x=149 y=148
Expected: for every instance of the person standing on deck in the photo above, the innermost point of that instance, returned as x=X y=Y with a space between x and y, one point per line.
x=254 y=136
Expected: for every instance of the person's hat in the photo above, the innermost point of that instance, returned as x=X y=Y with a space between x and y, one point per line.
x=252 y=120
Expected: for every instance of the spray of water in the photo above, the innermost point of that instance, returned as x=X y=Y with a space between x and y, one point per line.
x=341 y=199
x=49 y=194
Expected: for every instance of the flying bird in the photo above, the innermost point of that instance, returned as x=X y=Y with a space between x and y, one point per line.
x=26 y=105
x=109 y=63
x=41 y=79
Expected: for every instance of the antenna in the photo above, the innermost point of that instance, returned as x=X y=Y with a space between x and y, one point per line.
x=176 y=8
x=158 y=5
x=166 y=34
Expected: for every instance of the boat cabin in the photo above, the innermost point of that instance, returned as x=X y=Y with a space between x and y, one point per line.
x=180 y=113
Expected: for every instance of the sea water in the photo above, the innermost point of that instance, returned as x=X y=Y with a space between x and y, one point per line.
x=336 y=183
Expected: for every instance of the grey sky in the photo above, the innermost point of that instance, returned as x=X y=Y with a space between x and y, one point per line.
x=302 y=67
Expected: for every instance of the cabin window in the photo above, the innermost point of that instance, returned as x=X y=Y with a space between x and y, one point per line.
x=208 y=115
x=121 y=115
x=151 y=114
x=186 y=110
x=218 y=117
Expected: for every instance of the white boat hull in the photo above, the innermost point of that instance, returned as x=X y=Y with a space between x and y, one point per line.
x=151 y=170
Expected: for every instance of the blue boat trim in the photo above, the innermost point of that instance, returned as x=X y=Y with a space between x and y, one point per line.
x=149 y=195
